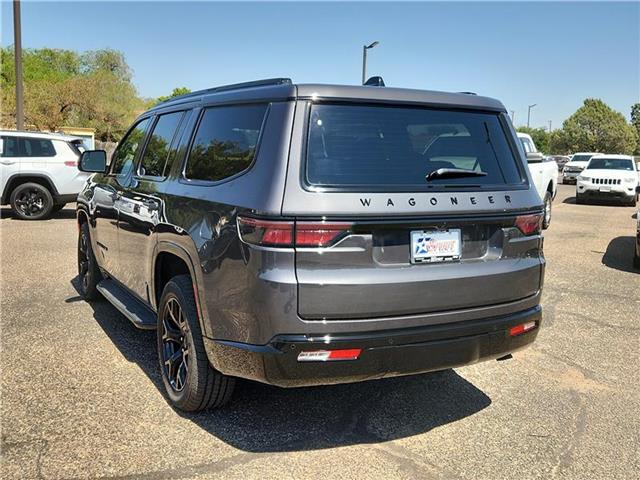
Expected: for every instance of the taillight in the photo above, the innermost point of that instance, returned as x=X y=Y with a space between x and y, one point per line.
x=529 y=224
x=266 y=232
x=320 y=234
x=275 y=233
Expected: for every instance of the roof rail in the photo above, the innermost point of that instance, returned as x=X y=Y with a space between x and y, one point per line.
x=468 y=93
x=235 y=86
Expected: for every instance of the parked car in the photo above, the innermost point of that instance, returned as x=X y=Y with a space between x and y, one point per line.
x=544 y=173
x=609 y=177
x=39 y=172
x=315 y=234
x=561 y=160
x=636 y=256
x=577 y=163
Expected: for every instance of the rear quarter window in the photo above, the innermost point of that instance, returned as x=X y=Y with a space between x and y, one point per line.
x=225 y=142
x=394 y=148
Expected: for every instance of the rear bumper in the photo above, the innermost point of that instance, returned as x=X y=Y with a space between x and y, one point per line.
x=384 y=353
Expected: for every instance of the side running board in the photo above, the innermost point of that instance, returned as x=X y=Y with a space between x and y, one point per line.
x=139 y=314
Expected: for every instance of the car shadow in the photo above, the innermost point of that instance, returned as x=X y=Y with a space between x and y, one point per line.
x=619 y=254
x=592 y=201
x=263 y=418
x=64 y=214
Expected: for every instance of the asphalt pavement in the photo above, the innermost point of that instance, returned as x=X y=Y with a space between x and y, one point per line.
x=82 y=397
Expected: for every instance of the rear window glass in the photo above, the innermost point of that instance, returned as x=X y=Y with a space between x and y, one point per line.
x=226 y=142
x=38 y=147
x=395 y=148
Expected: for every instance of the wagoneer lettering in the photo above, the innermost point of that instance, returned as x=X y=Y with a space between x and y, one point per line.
x=315 y=234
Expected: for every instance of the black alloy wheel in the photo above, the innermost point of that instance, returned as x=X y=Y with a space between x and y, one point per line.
x=31 y=201
x=175 y=345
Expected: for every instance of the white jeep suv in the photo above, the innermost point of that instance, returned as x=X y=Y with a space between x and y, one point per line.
x=609 y=177
x=39 y=172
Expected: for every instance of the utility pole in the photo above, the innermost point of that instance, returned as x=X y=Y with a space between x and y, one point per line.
x=529 y=114
x=364 y=59
x=17 y=41
x=549 y=126
x=513 y=116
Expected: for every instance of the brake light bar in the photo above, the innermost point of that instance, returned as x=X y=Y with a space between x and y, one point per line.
x=329 y=355
x=279 y=233
x=529 y=224
x=522 y=328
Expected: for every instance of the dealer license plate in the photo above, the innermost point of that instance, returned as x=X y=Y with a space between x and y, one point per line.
x=430 y=246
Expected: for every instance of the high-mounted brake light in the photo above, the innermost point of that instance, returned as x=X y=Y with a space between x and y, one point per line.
x=275 y=233
x=522 y=328
x=329 y=355
x=529 y=224
x=266 y=232
x=319 y=234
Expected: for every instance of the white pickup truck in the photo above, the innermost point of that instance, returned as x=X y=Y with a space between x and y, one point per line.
x=544 y=174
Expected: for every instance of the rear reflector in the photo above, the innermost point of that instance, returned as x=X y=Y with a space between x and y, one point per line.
x=529 y=224
x=522 y=328
x=329 y=355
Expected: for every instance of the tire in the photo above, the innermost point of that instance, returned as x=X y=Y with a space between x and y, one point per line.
x=579 y=199
x=31 y=201
x=636 y=261
x=88 y=271
x=633 y=201
x=191 y=385
x=546 y=220
x=57 y=207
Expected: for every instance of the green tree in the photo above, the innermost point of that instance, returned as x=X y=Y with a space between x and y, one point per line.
x=67 y=88
x=635 y=121
x=540 y=137
x=596 y=127
x=175 y=93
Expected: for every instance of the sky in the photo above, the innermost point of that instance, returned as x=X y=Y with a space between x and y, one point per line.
x=553 y=54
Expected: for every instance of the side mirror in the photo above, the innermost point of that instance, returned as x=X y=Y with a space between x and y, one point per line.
x=93 y=161
x=534 y=157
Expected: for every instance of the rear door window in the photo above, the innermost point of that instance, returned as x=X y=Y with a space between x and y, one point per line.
x=159 y=146
x=38 y=147
x=394 y=148
x=225 y=143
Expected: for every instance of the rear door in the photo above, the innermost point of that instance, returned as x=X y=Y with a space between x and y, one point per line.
x=376 y=238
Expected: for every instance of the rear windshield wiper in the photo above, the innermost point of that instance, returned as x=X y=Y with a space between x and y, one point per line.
x=453 y=173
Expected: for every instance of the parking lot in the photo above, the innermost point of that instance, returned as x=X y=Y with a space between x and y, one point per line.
x=82 y=396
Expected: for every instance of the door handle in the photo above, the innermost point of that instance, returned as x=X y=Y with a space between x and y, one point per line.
x=7 y=162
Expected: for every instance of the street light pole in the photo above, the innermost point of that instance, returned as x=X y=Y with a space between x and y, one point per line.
x=513 y=116
x=364 y=59
x=17 y=41
x=529 y=114
x=549 y=126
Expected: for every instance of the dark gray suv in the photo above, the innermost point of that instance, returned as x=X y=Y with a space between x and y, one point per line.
x=315 y=234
